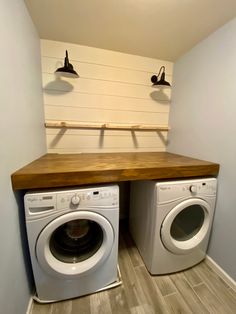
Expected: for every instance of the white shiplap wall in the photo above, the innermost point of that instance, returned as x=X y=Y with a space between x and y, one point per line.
x=113 y=88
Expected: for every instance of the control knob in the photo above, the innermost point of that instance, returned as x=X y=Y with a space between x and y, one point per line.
x=75 y=199
x=193 y=189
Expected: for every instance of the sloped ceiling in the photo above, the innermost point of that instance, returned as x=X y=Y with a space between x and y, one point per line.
x=162 y=29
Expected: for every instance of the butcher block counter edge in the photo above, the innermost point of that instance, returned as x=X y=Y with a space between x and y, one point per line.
x=62 y=170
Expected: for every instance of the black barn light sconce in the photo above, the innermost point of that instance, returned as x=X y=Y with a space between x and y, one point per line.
x=160 y=81
x=67 y=70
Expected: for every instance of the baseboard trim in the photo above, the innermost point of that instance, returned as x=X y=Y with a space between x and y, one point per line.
x=220 y=272
x=30 y=304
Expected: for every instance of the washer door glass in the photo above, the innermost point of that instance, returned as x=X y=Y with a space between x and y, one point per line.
x=74 y=244
x=186 y=226
x=76 y=240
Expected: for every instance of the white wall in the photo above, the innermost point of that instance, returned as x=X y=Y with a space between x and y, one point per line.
x=22 y=139
x=113 y=88
x=202 y=120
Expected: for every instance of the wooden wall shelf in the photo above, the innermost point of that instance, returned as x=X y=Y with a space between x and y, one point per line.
x=105 y=126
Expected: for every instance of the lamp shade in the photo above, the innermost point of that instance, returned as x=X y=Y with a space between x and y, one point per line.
x=67 y=70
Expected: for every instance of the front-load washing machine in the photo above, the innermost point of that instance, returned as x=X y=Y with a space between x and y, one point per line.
x=73 y=240
x=170 y=222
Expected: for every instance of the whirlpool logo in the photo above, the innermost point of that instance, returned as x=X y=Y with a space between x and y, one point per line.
x=165 y=188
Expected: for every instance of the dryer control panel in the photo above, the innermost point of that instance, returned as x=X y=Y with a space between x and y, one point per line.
x=74 y=199
x=169 y=191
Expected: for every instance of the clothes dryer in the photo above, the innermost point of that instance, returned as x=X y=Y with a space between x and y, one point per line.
x=73 y=240
x=170 y=222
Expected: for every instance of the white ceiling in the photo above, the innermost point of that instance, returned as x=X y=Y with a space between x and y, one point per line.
x=162 y=29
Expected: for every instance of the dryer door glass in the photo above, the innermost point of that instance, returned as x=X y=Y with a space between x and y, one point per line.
x=76 y=240
x=187 y=223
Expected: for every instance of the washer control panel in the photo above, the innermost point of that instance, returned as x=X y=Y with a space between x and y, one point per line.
x=73 y=199
x=79 y=198
x=186 y=188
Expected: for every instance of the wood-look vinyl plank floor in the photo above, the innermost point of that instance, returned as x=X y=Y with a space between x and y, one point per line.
x=165 y=285
x=80 y=305
x=188 y=294
x=218 y=287
x=196 y=290
x=176 y=304
x=192 y=277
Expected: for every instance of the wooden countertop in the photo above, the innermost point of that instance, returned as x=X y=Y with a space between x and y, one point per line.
x=58 y=170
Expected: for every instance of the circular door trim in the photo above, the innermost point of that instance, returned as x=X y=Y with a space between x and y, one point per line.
x=67 y=270
x=184 y=247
